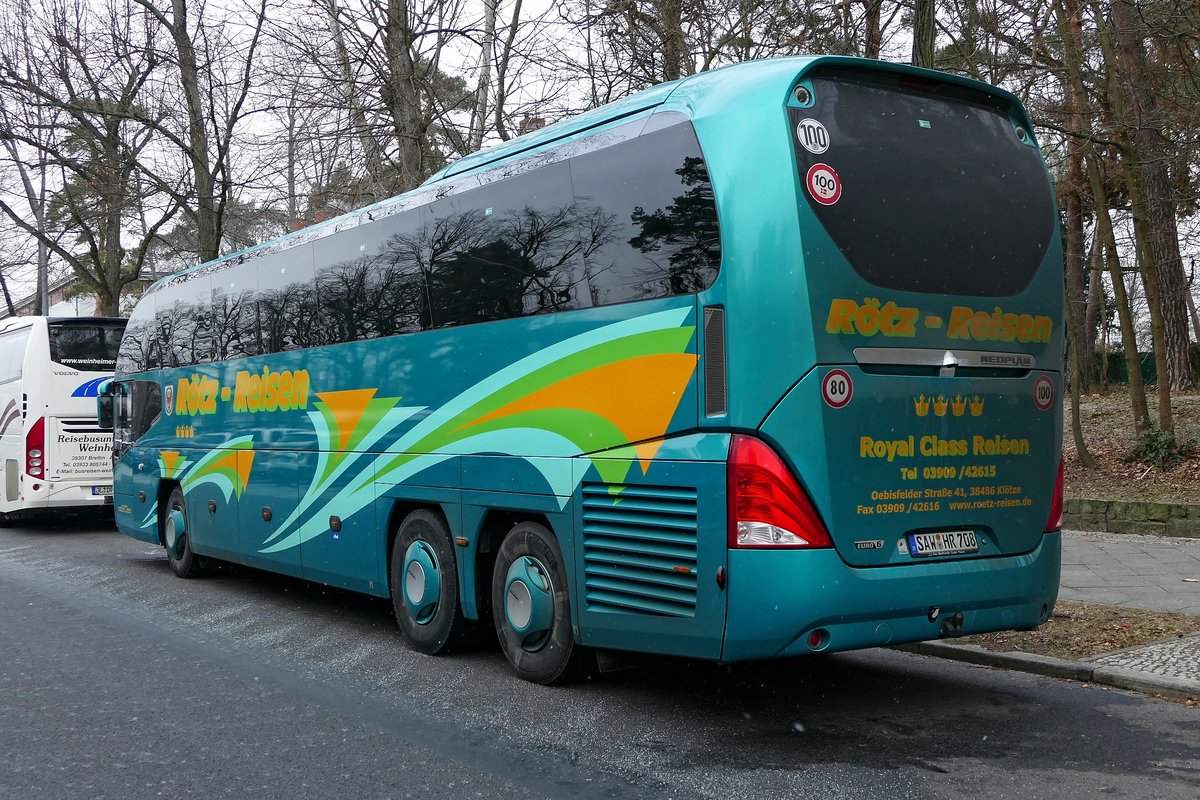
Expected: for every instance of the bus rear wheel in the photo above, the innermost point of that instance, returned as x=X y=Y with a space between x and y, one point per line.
x=424 y=585
x=173 y=522
x=532 y=607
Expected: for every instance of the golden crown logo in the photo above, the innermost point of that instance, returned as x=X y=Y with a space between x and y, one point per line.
x=959 y=406
x=922 y=405
x=940 y=405
x=976 y=406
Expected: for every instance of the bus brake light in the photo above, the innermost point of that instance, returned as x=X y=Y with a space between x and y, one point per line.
x=767 y=507
x=1054 y=520
x=35 y=447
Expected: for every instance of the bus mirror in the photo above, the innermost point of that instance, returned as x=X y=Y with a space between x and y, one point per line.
x=104 y=406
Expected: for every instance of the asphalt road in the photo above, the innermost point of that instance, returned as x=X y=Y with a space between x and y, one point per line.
x=119 y=680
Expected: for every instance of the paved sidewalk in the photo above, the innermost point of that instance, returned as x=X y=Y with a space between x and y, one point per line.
x=1157 y=573
x=1123 y=569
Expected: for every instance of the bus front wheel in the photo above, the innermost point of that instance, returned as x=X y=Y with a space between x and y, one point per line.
x=424 y=585
x=532 y=607
x=173 y=522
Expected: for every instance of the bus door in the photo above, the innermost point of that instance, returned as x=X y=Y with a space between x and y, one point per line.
x=137 y=469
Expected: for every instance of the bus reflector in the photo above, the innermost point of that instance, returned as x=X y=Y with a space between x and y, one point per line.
x=35 y=445
x=1054 y=520
x=767 y=506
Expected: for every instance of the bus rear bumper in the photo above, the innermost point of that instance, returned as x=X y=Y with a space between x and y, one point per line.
x=47 y=495
x=788 y=603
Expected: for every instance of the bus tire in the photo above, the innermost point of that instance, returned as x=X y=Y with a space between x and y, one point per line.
x=532 y=608
x=424 y=585
x=180 y=557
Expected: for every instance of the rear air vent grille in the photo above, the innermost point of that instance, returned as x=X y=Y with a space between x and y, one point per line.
x=715 y=400
x=639 y=549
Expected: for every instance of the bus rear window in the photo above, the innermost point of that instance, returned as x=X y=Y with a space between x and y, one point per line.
x=85 y=346
x=937 y=192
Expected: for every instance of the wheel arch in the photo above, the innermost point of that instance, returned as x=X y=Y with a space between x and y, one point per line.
x=165 y=487
x=399 y=510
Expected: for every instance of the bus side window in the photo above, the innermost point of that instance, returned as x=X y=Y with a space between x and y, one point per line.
x=661 y=234
x=12 y=355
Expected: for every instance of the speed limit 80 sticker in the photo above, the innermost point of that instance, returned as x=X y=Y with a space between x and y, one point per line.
x=823 y=184
x=837 y=388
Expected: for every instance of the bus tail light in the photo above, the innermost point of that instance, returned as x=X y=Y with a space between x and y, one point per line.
x=35 y=448
x=1055 y=519
x=767 y=506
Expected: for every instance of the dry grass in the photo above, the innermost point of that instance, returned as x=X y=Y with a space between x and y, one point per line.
x=1080 y=630
x=1108 y=433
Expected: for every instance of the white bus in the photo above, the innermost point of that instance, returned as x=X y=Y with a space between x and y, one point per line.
x=52 y=454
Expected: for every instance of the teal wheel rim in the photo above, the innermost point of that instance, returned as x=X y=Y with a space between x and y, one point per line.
x=422 y=582
x=175 y=532
x=529 y=603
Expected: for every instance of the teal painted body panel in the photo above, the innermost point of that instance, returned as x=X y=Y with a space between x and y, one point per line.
x=777 y=599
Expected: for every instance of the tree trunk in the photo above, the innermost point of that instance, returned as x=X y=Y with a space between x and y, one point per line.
x=924 y=33
x=1133 y=176
x=1071 y=30
x=485 y=75
x=873 y=35
x=1093 y=310
x=402 y=97
x=1191 y=302
x=1133 y=364
x=372 y=157
x=12 y=310
x=502 y=72
x=1073 y=255
x=208 y=235
x=1154 y=205
x=675 y=56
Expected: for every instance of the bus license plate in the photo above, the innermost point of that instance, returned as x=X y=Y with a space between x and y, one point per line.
x=102 y=490
x=942 y=543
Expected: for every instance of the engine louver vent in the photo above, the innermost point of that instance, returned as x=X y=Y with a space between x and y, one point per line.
x=715 y=400
x=639 y=549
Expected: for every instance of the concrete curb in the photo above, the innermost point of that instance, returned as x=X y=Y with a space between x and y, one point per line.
x=1117 y=677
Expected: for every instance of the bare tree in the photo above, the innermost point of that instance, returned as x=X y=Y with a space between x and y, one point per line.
x=214 y=61
x=94 y=69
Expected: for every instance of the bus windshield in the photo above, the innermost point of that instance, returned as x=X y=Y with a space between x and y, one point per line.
x=85 y=345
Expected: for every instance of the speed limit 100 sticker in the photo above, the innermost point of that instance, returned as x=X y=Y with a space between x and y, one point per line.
x=812 y=136
x=1043 y=393
x=837 y=388
x=824 y=184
